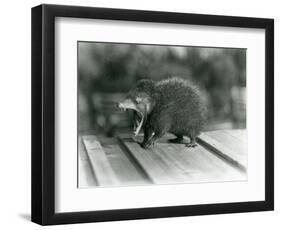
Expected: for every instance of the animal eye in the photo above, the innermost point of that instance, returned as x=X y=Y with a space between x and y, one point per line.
x=138 y=100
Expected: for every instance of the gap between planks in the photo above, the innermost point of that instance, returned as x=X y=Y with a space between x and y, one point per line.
x=86 y=176
x=221 y=150
x=159 y=167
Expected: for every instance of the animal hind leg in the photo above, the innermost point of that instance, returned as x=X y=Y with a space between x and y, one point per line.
x=192 y=142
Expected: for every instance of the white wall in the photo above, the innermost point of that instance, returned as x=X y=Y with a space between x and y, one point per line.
x=15 y=113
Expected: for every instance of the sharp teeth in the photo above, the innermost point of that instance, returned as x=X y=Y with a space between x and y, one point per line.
x=123 y=109
x=139 y=127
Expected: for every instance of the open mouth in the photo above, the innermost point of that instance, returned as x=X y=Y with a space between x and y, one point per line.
x=139 y=121
x=139 y=117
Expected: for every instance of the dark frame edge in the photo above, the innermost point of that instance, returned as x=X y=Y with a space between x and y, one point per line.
x=158 y=212
x=43 y=116
x=36 y=114
x=269 y=113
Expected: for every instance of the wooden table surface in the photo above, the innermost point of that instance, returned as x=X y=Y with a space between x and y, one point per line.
x=220 y=156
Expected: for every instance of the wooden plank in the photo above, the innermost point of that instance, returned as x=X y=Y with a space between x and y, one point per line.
x=231 y=142
x=234 y=140
x=103 y=171
x=181 y=158
x=86 y=176
x=168 y=163
x=127 y=172
x=178 y=173
x=200 y=165
x=239 y=134
x=153 y=164
x=221 y=149
x=183 y=165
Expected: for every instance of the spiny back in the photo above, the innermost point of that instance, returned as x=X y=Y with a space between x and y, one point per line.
x=177 y=92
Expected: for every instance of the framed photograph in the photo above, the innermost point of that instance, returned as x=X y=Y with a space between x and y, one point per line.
x=142 y=114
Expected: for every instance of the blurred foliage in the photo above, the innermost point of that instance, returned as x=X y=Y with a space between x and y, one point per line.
x=108 y=70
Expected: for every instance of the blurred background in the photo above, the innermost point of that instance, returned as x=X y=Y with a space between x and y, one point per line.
x=107 y=71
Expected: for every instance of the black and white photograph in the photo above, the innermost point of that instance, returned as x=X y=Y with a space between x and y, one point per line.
x=153 y=114
x=142 y=114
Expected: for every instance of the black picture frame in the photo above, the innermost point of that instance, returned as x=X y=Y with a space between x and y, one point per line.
x=43 y=113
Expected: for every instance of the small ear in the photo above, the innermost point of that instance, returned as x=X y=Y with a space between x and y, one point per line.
x=145 y=85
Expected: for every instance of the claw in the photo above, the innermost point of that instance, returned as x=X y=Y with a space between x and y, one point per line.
x=147 y=145
x=191 y=145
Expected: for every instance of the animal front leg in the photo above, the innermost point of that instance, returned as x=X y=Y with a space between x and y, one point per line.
x=146 y=134
x=156 y=128
x=150 y=140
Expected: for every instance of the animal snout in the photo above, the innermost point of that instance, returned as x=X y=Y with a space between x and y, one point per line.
x=120 y=105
